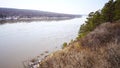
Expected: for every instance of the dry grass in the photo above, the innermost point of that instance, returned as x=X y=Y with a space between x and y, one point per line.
x=99 y=49
x=106 y=33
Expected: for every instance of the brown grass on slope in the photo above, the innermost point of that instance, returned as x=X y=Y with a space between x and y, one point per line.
x=99 y=49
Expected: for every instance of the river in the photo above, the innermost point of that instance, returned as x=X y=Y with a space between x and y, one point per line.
x=21 y=41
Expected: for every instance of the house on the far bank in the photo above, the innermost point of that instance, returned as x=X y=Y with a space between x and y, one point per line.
x=10 y=18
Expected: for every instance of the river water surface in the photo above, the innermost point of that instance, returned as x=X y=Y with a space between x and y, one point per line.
x=22 y=41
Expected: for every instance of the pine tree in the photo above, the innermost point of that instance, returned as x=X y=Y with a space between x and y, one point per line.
x=108 y=11
x=117 y=10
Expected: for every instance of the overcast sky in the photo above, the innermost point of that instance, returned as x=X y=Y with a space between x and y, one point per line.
x=61 y=6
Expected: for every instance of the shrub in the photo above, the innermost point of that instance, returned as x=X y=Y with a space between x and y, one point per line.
x=64 y=45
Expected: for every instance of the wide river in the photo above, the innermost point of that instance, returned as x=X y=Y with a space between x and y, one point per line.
x=23 y=41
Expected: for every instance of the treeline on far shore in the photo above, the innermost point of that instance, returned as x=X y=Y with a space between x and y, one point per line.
x=24 y=14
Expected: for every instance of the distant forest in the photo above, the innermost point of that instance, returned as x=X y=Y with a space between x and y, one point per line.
x=23 y=13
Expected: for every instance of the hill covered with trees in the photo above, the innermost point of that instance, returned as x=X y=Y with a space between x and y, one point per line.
x=21 y=14
x=109 y=13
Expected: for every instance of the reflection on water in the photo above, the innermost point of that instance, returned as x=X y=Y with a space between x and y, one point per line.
x=23 y=41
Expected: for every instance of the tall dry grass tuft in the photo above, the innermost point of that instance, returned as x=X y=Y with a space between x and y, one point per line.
x=105 y=33
x=99 y=49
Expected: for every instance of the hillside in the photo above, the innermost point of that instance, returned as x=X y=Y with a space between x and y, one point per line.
x=97 y=45
x=98 y=49
x=109 y=13
x=24 y=13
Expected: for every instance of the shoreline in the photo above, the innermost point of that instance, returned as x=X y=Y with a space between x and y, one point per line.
x=3 y=21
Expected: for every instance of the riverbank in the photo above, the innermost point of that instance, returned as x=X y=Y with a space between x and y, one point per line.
x=99 y=49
